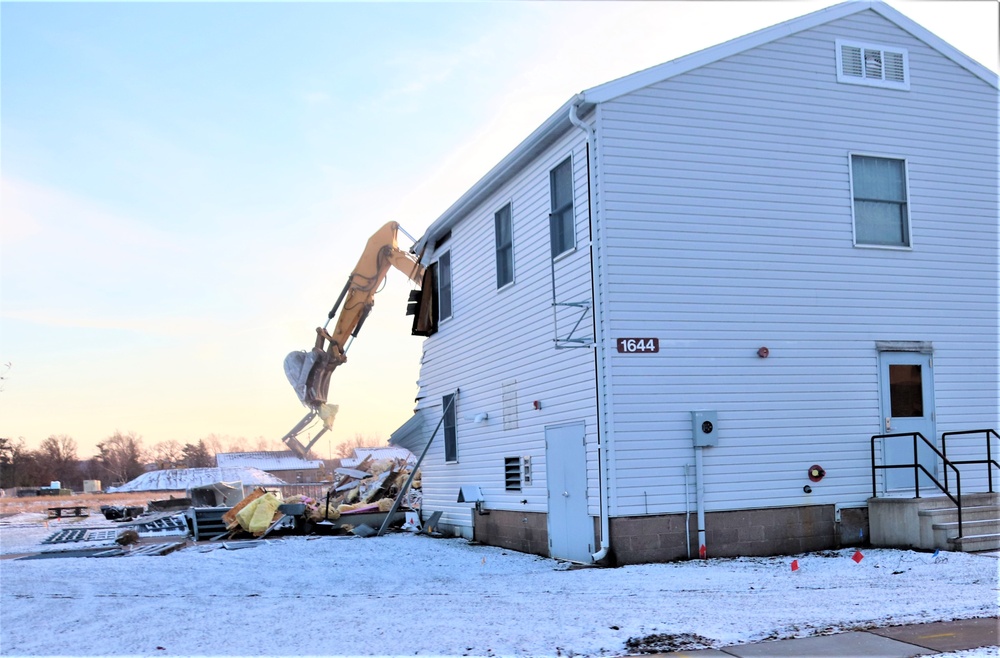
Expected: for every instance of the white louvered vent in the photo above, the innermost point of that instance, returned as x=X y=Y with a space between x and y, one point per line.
x=872 y=65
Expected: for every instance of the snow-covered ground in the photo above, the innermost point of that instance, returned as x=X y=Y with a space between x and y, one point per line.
x=413 y=595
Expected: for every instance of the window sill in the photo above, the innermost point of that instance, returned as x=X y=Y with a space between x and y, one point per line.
x=884 y=247
x=564 y=255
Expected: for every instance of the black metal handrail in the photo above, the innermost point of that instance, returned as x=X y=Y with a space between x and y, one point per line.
x=917 y=467
x=989 y=461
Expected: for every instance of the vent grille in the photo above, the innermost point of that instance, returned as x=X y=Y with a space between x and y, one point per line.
x=508 y=392
x=851 y=61
x=895 y=70
x=512 y=473
x=872 y=65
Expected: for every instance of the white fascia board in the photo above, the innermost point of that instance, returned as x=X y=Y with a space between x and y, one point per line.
x=937 y=43
x=542 y=137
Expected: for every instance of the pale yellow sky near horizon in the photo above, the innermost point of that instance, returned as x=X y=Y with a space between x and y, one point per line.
x=185 y=187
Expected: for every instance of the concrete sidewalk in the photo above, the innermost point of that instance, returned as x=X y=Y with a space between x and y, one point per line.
x=889 y=642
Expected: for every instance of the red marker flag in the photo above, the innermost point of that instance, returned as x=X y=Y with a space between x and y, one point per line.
x=702 y=551
x=857 y=557
x=795 y=565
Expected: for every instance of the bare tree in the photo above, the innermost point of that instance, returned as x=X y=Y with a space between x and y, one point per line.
x=167 y=452
x=346 y=448
x=121 y=456
x=56 y=457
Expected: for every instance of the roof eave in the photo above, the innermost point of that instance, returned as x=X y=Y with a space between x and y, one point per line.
x=533 y=145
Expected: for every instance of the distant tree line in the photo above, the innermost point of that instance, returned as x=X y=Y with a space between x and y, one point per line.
x=120 y=457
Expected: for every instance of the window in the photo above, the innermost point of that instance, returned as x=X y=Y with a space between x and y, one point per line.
x=512 y=473
x=561 y=219
x=505 y=246
x=877 y=66
x=450 y=440
x=444 y=285
x=879 y=191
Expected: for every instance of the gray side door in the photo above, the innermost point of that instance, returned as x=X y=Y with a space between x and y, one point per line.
x=571 y=530
x=906 y=382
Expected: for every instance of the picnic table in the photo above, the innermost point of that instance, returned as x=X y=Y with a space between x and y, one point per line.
x=71 y=510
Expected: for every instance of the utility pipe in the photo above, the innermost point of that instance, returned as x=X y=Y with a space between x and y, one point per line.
x=699 y=496
x=420 y=460
x=687 y=510
x=603 y=433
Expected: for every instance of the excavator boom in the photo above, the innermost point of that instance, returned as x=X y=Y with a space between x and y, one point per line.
x=309 y=372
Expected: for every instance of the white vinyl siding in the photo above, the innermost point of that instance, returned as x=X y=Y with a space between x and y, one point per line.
x=727 y=201
x=878 y=187
x=498 y=349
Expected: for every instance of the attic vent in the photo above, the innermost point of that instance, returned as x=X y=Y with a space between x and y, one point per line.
x=872 y=65
x=512 y=473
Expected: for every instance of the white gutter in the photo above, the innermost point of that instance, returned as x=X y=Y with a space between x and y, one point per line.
x=596 y=250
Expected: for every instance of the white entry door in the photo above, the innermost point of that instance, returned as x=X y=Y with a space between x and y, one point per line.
x=571 y=530
x=907 y=386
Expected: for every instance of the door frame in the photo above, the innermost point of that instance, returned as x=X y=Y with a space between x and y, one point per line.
x=897 y=481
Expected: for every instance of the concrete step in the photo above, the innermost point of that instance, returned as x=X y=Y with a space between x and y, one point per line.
x=974 y=513
x=939 y=525
x=947 y=531
x=976 y=543
x=968 y=500
x=931 y=522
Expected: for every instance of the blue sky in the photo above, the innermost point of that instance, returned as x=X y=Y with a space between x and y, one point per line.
x=186 y=186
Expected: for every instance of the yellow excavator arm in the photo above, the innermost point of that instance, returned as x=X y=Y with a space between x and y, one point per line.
x=309 y=372
x=358 y=298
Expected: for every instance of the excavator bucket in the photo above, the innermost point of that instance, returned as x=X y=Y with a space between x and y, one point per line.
x=297 y=367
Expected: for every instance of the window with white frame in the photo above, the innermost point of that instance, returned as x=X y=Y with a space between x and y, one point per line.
x=444 y=285
x=561 y=218
x=872 y=65
x=504 y=246
x=450 y=437
x=878 y=188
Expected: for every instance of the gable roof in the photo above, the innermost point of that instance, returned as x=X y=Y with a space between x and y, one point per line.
x=281 y=460
x=646 y=77
x=558 y=123
x=391 y=452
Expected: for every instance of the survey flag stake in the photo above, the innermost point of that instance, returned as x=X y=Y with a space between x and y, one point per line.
x=857 y=557
x=702 y=551
x=795 y=565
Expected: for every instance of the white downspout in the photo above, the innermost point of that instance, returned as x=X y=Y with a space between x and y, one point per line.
x=595 y=254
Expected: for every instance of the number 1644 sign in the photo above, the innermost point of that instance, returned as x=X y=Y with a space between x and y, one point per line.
x=638 y=345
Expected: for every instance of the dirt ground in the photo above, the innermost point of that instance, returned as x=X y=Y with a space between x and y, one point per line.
x=13 y=505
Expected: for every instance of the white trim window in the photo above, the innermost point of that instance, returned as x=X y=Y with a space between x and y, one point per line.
x=561 y=218
x=504 y=246
x=879 y=194
x=872 y=65
x=444 y=285
x=450 y=435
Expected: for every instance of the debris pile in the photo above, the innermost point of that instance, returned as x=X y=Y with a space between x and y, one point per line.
x=370 y=487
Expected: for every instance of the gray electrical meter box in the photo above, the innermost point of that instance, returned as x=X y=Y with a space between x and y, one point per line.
x=705 y=425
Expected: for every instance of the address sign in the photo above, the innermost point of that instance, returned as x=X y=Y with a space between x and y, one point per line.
x=638 y=345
